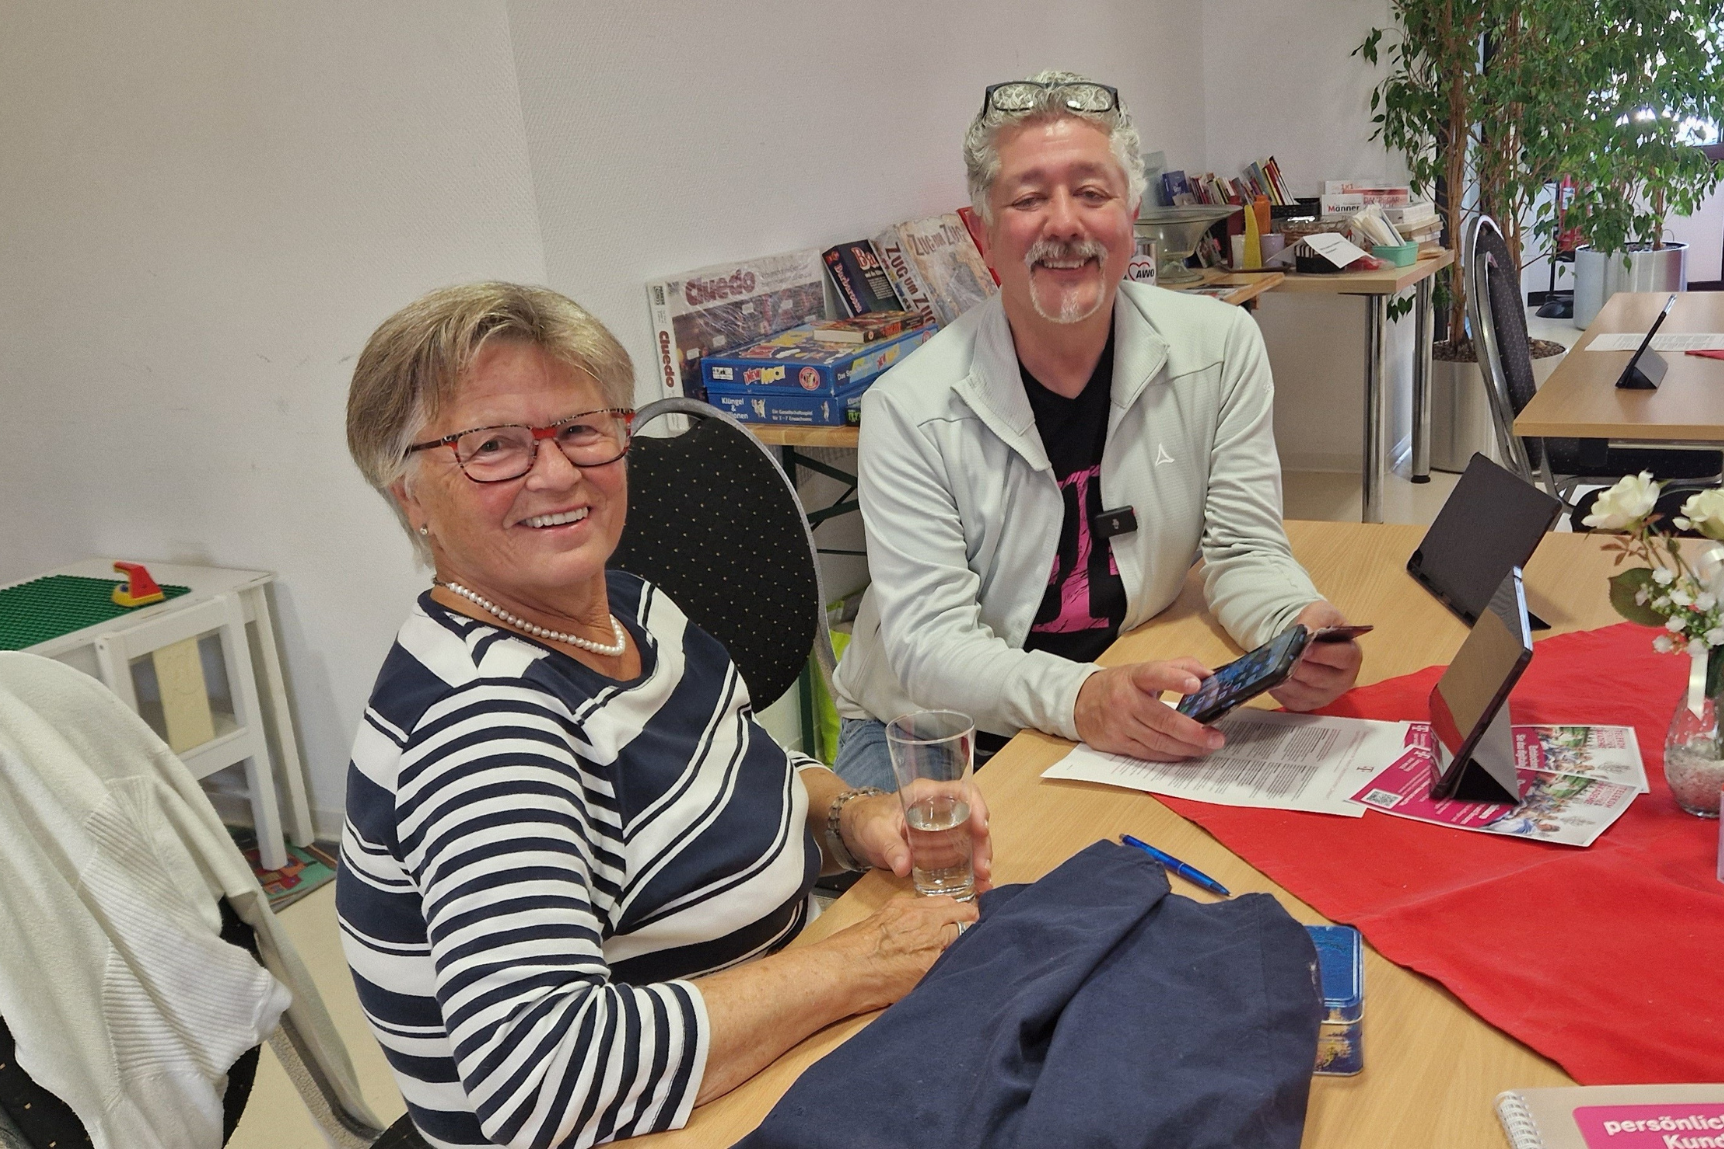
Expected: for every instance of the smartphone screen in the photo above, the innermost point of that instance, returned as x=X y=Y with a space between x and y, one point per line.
x=1244 y=678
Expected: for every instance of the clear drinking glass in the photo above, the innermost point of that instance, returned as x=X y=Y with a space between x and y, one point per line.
x=933 y=756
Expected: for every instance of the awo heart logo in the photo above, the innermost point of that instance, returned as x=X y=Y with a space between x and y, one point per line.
x=1141 y=269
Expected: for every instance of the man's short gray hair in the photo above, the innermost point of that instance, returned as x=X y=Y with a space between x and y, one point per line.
x=981 y=150
x=416 y=362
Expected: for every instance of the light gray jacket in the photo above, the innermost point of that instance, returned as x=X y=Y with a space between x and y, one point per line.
x=963 y=512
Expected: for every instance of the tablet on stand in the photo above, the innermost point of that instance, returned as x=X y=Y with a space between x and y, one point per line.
x=1491 y=523
x=1473 y=741
x=1646 y=370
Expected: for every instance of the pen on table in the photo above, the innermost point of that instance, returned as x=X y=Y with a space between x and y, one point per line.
x=1190 y=873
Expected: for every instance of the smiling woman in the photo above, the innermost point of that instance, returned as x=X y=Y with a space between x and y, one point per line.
x=561 y=816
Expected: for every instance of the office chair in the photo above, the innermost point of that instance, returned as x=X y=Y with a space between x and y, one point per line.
x=715 y=522
x=1496 y=313
x=46 y=703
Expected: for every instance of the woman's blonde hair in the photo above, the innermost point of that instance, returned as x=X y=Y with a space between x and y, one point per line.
x=415 y=362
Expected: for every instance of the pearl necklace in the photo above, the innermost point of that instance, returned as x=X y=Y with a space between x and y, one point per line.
x=490 y=607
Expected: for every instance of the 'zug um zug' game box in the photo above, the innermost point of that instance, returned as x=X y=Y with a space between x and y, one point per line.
x=798 y=362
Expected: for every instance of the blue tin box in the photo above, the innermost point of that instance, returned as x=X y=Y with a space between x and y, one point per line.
x=789 y=405
x=1341 y=971
x=797 y=362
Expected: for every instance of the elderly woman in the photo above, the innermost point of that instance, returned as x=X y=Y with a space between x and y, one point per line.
x=571 y=857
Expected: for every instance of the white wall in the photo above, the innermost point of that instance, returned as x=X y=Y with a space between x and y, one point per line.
x=205 y=208
x=1279 y=80
x=669 y=135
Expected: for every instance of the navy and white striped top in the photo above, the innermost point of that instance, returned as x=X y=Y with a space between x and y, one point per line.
x=536 y=855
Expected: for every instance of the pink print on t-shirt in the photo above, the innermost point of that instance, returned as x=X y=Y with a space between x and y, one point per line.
x=1076 y=613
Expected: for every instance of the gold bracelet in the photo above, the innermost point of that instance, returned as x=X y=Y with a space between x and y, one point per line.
x=835 y=847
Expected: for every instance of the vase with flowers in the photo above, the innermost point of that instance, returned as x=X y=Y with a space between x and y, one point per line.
x=1681 y=591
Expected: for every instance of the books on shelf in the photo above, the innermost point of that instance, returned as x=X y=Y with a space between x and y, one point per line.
x=860 y=278
x=935 y=266
x=1613 y=1116
x=1388 y=195
x=727 y=306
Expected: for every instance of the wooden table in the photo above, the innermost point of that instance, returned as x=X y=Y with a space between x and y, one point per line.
x=1377 y=287
x=1432 y=1068
x=1580 y=400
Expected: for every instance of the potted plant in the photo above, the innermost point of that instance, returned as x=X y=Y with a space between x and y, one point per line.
x=1651 y=77
x=1475 y=101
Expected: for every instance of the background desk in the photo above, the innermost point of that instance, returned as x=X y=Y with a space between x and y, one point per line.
x=1432 y=1068
x=1580 y=400
x=1377 y=287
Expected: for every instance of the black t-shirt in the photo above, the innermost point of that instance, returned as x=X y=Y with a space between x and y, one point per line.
x=1084 y=603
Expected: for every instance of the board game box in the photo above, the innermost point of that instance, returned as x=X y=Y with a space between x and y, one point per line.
x=798 y=360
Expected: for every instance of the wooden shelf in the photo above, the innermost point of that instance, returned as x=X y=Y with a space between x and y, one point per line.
x=781 y=435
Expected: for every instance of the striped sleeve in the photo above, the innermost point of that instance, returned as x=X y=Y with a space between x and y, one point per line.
x=507 y=838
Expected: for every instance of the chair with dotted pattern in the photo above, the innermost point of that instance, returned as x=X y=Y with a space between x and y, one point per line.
x=715 y=522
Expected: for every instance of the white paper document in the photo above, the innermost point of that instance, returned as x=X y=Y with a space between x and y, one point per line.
x=1272 y=760
x=1675 y=341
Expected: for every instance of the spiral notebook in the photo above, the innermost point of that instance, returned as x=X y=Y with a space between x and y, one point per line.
x=1613 y=1117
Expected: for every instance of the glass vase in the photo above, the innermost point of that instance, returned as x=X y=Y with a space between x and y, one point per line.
x=1693 y=749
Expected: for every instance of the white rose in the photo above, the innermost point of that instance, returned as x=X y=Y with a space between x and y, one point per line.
x=1715 y=636
x=1681 y=598
x=1706 y=601
x=1696 y=646
x=1663 y=577
x=1662 y=644
x=1640 y=597
x=1624 y=506
x=1704 y=512
x=1676 y=624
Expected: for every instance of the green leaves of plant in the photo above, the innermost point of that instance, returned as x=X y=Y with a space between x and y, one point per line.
x=1623 y=588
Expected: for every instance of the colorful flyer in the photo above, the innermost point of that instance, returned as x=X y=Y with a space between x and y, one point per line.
x=1572 y=805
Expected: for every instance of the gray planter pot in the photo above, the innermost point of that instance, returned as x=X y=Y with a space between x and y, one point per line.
x=1598 y=276
x=1461 y=413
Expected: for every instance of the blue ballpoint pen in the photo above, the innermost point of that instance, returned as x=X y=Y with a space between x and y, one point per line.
x=1190 y=873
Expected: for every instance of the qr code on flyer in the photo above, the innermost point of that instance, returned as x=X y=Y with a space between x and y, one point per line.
x=1383 y=798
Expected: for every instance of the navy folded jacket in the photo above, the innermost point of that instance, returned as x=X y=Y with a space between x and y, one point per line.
x=1092 y=1008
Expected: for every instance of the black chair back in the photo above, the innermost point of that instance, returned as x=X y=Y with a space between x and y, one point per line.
x=714 y=521
x=1497 y=313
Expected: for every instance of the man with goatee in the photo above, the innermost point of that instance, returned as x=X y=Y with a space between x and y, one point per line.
x=1044 y=472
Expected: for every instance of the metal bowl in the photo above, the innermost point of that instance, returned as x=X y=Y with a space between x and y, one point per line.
x=1177 y=232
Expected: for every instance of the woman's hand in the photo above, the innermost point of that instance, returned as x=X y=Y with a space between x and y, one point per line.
x=893 y=947
x=873 y=829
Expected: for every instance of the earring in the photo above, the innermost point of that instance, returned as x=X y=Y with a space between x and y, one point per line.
x=426 y=529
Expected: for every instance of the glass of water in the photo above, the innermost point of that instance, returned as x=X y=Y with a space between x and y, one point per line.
x=933 y=759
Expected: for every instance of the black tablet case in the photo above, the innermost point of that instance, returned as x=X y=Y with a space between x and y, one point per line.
x=1492 y=522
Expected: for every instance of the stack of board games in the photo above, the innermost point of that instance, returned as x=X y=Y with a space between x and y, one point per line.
x=728 y=306
x=796 y=377
x=935 y=266
x=870 y=328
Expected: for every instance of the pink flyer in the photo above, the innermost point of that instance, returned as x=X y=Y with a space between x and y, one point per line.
x=1694 y=1125
x=1574 y=782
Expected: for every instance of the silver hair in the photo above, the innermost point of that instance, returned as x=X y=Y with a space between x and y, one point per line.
x=981 y=150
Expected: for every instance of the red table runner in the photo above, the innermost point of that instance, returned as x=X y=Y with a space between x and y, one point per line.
x=1609 y=960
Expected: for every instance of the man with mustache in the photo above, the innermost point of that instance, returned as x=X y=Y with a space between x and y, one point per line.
x=1044 y=472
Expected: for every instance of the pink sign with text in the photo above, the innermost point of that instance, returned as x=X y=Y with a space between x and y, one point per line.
x=1672 y=1126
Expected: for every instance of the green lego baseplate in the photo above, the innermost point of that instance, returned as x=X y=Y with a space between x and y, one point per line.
x=48 y=607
